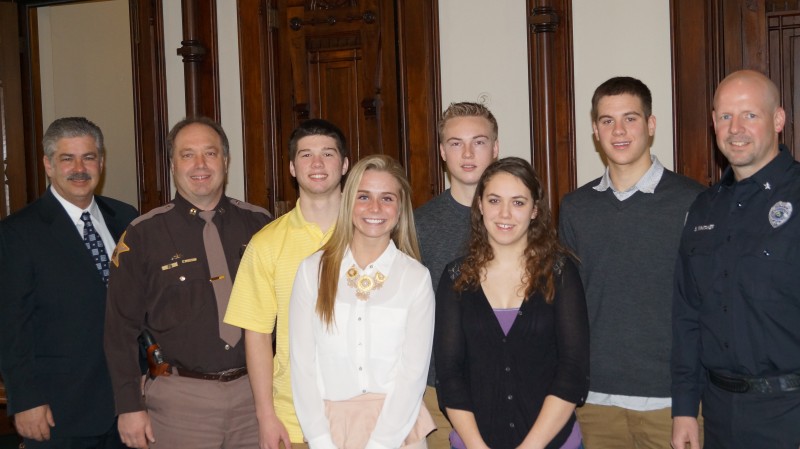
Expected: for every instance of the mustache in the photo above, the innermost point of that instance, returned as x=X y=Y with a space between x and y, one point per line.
x=80 y=176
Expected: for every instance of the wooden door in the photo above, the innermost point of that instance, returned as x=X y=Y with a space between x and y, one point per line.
x=783 y=49
x=343 y=64
x=369 y=66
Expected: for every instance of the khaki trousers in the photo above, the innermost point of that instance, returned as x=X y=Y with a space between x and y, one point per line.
x=201 y=414
x=608 y=427
x=440 y=438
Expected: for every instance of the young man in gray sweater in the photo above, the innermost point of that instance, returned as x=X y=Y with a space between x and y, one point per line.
x=468 y=144
x=625 y=228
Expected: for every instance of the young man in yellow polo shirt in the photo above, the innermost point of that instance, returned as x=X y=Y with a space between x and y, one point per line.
x=260 y=297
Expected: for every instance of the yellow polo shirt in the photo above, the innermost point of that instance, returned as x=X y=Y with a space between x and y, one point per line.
x=261 y=294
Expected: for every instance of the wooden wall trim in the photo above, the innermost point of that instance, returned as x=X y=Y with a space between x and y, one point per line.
x=35 y=179
x=200 y=58
x=150 y=102
x=260 y=130
x=149 y=99
x=13 y=135
x=420 y=96
x=710 y=39
x=693 y=77
x=552 y=102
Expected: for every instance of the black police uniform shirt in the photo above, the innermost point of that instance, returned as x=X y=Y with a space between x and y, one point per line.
x=737 y=298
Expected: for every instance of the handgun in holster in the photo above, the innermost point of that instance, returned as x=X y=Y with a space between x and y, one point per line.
x=157 y=366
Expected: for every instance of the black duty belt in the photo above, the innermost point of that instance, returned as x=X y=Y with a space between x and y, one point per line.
x=222 y=376
x=748 y=384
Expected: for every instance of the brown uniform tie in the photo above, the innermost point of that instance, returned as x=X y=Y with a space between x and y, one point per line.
x=220 y=276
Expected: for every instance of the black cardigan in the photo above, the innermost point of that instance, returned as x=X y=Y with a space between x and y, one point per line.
x=503 y=380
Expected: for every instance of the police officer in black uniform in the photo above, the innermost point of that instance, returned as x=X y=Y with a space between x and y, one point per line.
x=736 y=311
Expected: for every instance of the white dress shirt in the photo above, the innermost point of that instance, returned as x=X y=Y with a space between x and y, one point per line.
x=379 y=345
x=98 y=222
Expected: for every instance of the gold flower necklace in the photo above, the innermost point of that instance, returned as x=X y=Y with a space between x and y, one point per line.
x=364 y=283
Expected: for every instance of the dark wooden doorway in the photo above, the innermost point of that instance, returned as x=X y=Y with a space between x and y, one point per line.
x=149 y=96
x=369 y=66
x=713 y=38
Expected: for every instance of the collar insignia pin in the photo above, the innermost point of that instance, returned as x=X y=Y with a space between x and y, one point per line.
x=767 y=186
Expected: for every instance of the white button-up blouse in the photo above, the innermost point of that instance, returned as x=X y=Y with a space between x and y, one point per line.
x=379 y=345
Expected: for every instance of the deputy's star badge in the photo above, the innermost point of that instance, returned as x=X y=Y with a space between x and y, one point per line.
x=121 y=248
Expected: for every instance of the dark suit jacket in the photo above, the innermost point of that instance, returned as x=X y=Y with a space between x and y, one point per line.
x=51 y=316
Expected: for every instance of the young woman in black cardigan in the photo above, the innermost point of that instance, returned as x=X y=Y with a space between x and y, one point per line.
x=511 y=339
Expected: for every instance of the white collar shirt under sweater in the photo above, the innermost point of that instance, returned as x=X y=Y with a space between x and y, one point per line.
x=646 y=184
x=379 y=345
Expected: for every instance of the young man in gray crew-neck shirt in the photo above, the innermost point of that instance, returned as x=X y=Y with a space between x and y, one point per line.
x=468 y=144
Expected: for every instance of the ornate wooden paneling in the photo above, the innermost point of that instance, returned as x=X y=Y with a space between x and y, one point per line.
x=784 y=69
x=364 y=65
x=778 y=6
x=343 y=65
x=335 y=90
x=710 y=39
x=552 y=96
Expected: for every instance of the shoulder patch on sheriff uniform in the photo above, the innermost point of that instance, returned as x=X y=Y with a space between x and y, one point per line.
x=251 y=207
x=121 y=248
x=157 y=211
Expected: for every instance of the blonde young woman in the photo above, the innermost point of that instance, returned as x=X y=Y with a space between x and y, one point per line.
x=512 y=333
x=361 y=321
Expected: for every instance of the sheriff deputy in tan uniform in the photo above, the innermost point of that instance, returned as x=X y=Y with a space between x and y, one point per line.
x=171 y=274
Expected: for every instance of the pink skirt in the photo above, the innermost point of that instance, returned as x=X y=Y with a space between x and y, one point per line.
x=352 y=422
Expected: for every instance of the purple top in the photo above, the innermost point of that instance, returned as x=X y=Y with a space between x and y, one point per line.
x=506 y=319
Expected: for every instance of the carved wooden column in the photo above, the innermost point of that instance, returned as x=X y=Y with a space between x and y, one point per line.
x=420 y=95
x=552 y=96
x=200 y=60
x=150 y=99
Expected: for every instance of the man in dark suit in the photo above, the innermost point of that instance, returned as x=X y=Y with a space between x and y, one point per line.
x=54 y=258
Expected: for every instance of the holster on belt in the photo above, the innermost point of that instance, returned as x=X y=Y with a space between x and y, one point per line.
x=156 y=364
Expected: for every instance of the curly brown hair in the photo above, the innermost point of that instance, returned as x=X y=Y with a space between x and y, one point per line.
x=543 y=249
